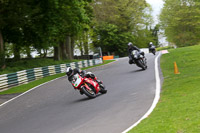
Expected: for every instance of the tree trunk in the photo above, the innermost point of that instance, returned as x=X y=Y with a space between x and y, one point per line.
x=86 y=49
x=68 y=47
x=39 y=52
x=63 y=51
x=45 y=53
x=2 y=53
x=16 y=52
x=72 y=47
x=56 y=53
x=28 y=52
x=81 y=48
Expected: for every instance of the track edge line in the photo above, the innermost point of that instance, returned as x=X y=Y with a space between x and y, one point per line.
x=43 y=84
x=156 y=98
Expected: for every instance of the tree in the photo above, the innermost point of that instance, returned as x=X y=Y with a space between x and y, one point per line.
x=2 y=55
x=42 y=24
x=155 y=34
x=111 y=40
x=180 y=20
x=115 y=19
x=73 y=15
x=14 y=16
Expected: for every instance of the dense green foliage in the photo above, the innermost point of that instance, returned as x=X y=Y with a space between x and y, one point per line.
x=112 y=40
x=42 y=24
x=62 y=25
x=178 y=109
x=117 y=23
x=180 y=19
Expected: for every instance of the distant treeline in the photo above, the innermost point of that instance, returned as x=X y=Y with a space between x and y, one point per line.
x=27 y=25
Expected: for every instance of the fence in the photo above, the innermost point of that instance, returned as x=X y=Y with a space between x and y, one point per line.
x=26 y=76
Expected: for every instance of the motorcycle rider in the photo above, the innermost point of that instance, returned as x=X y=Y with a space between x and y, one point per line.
x=71 y=72
x=130 y=49
x=151 y=47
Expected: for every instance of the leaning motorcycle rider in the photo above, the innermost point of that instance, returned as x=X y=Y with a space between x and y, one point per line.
x=71 y=72
x=152 y=48
x=150 y=45
x=130 y=50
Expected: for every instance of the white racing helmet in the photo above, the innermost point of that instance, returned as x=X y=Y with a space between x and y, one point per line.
x=130 y=44
x=69 y=71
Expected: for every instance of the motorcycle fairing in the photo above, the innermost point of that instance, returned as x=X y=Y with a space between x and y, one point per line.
x=93 y=83
x=77 y=80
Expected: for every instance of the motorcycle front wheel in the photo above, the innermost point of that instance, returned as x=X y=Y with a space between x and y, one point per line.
x=103 y=90
x=154 y=52
x=88 y=92
x=142 y=64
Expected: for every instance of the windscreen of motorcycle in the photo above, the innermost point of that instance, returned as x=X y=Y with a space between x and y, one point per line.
x=76 y=80
x=134 y=52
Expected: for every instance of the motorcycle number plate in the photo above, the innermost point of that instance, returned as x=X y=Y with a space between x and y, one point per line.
x=76 y=80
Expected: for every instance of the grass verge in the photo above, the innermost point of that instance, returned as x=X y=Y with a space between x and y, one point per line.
x=14 y=66
x=25 y=87
x=164 y=48
x=178 y=110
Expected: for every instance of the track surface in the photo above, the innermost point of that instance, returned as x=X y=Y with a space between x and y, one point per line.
x=57 y=108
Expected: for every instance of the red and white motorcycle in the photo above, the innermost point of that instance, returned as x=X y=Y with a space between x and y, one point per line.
x=88 y=86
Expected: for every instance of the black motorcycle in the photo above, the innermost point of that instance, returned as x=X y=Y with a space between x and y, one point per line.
x=139 y=59
x=152 y=49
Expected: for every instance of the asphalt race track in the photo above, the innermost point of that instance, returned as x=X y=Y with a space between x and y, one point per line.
x=57 y=108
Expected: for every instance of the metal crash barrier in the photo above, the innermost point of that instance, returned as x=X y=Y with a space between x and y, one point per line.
x=26 y=76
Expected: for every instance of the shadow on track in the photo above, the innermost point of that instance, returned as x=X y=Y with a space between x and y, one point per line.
x=140 y=70
x=85 y=99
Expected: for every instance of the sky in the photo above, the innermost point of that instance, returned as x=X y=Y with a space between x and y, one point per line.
x=156 y=6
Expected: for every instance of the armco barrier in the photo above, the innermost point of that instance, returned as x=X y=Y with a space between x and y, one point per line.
x=116 y=56
x=25 y=76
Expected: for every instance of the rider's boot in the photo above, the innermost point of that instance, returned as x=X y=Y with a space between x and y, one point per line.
x=103 y=90
x=81 y=92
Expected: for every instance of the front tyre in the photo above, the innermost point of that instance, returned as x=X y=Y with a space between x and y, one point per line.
x=103 y=90
x=154 y=52
x=88 y=92
x=142 y=64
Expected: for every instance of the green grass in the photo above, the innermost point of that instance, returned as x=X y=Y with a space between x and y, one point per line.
x=14 y=66
x=25 y=87
x=164 y=48
x=178 y=110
